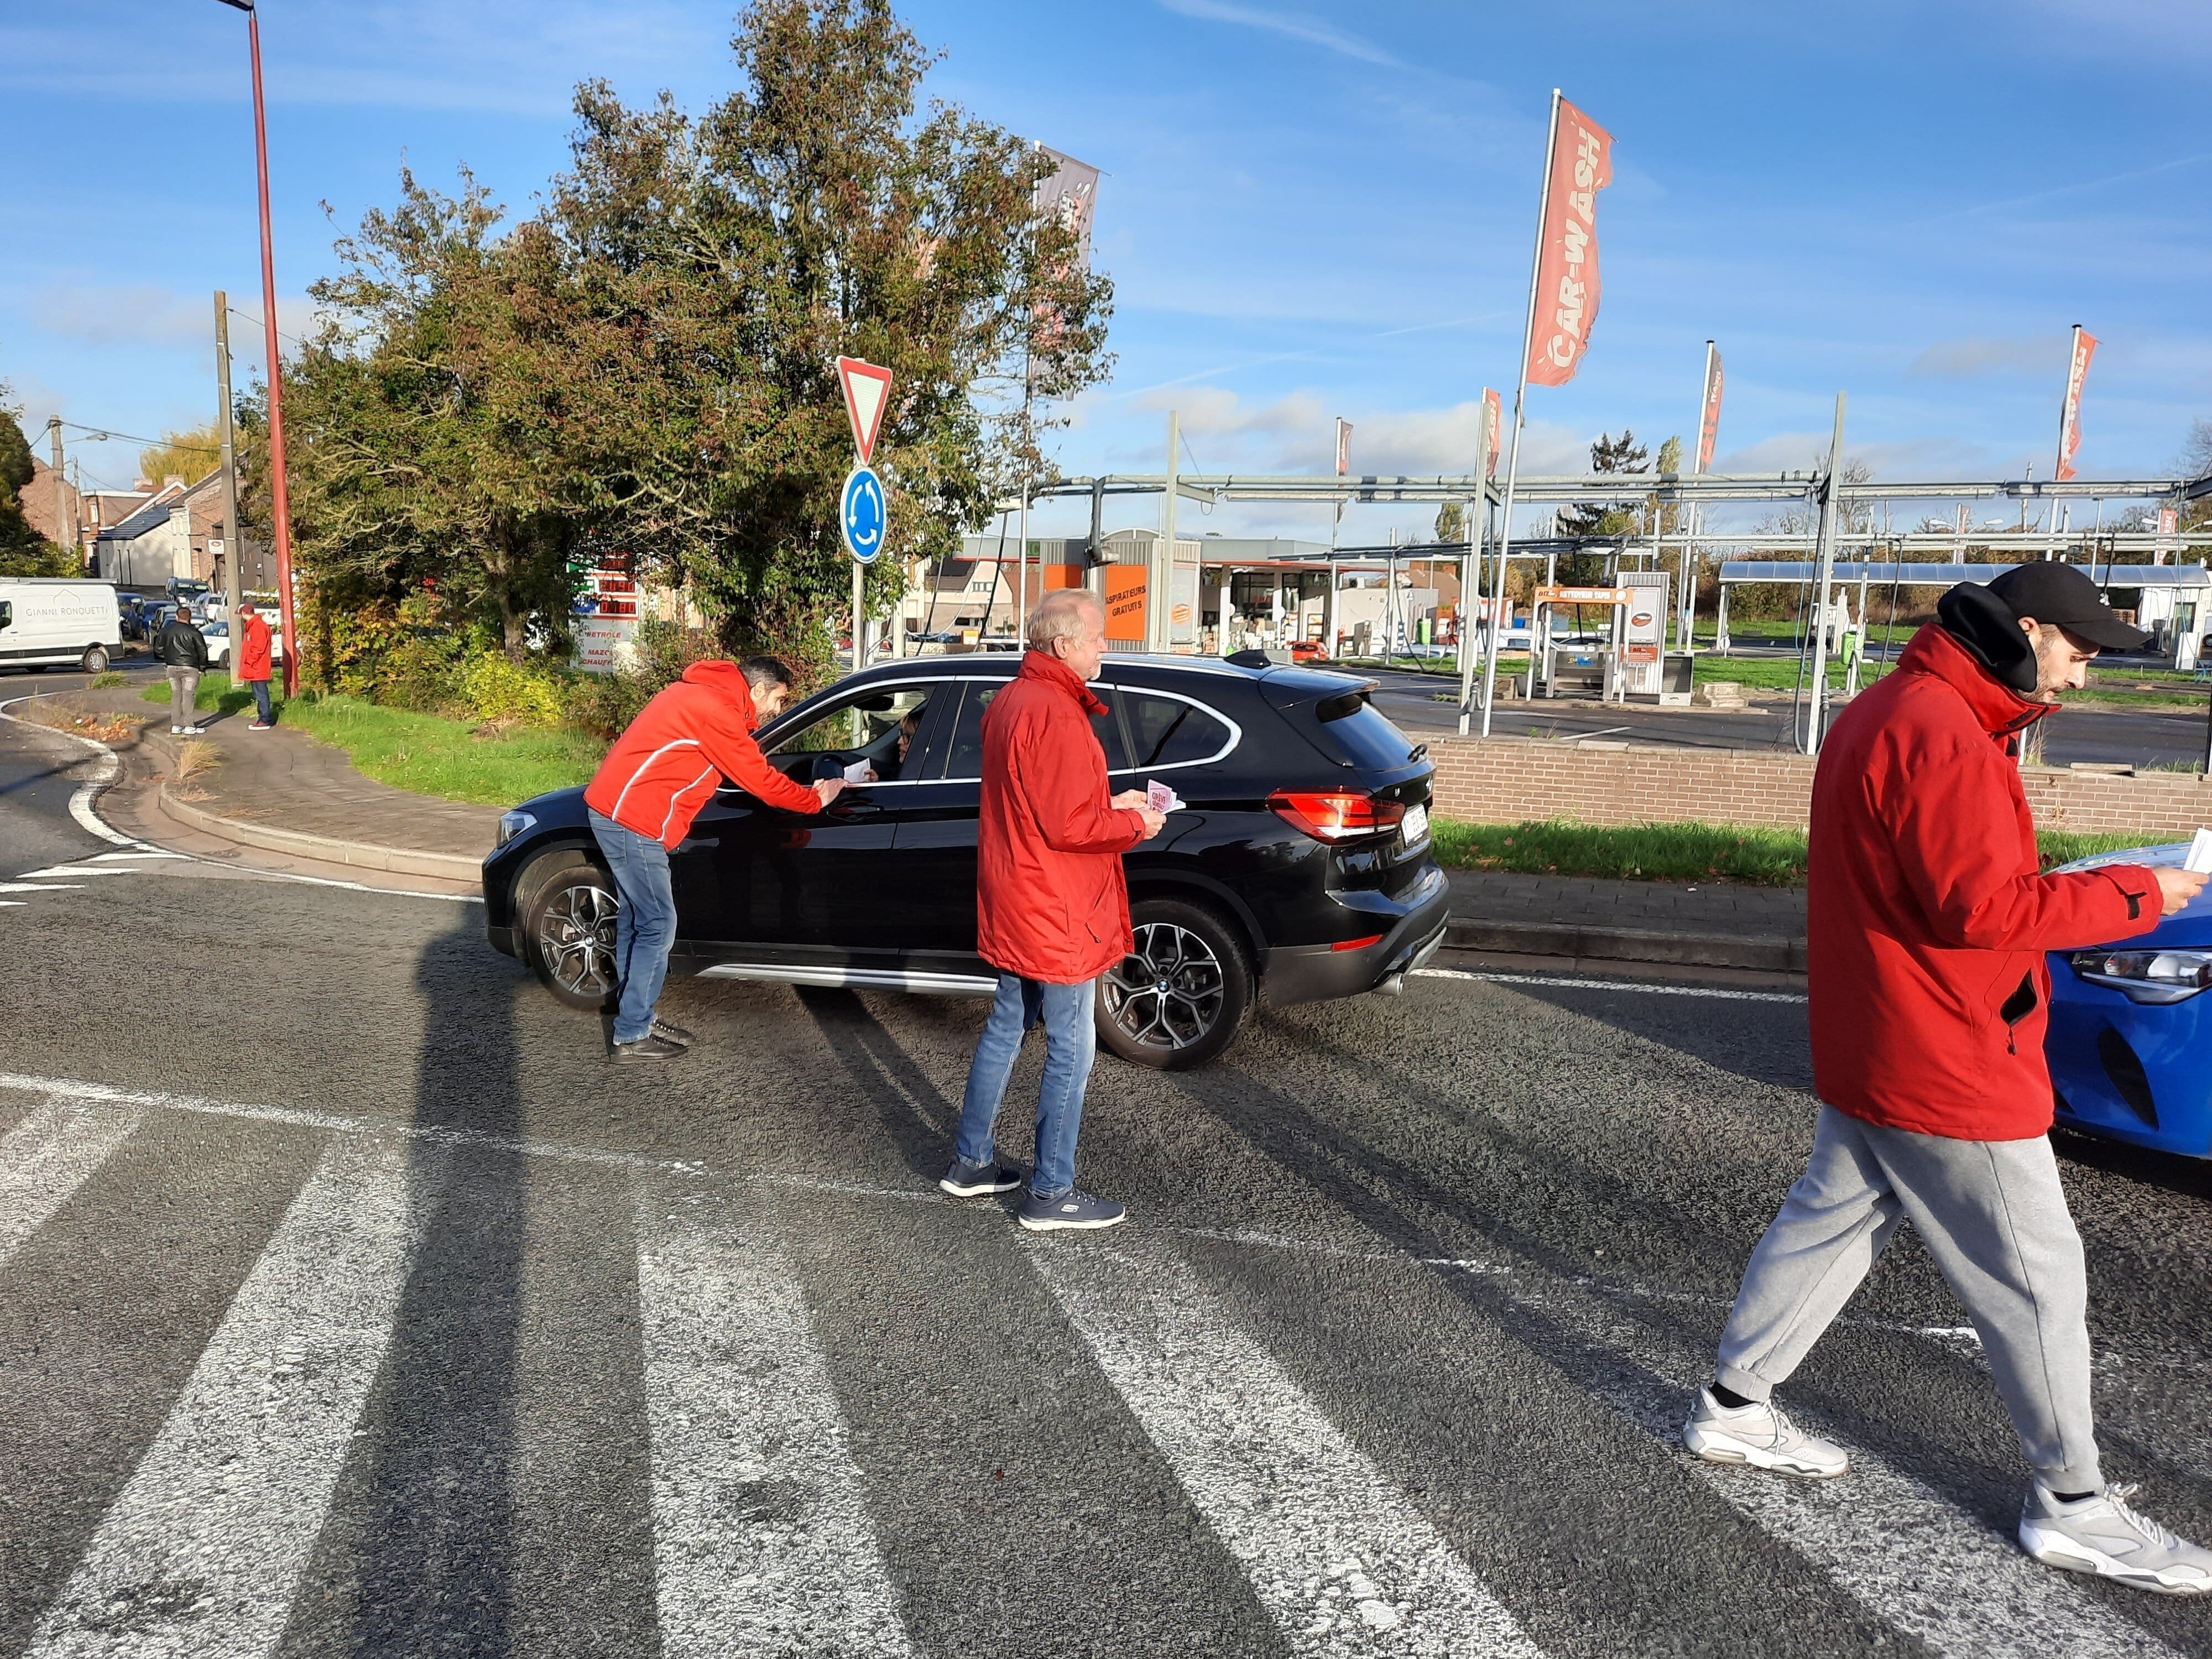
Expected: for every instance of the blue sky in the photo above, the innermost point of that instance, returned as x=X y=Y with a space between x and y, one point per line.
x=1308 y=211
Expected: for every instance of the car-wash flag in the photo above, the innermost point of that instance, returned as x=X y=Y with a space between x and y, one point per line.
x=2069 y=412
x=1343 y=457
x=1495 y=419
x=1069 y=196
x=1563 y=306
x=1709 y=422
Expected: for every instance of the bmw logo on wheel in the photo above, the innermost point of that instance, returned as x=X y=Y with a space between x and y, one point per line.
x=860 y=514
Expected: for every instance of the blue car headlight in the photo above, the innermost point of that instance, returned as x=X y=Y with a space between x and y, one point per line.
x=512 y=824
x=2156 y=976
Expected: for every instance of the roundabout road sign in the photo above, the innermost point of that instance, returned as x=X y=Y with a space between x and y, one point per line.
x=860 y=514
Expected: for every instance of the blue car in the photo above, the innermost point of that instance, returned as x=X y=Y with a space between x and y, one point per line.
x=2130 y=1038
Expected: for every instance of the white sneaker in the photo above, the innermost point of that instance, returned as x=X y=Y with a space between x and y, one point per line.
x=176 y=731
x=2101 y=1534
x=1761 y=1435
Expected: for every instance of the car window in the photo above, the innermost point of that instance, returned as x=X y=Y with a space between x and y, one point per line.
x=1169 y=732
x=1360 y=734
x=865 y=726
x=964 y=748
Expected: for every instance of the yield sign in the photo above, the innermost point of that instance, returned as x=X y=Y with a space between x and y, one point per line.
x=867 y=389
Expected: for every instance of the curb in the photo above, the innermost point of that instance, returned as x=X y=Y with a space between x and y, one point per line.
x=1769 y=954
x=360 y=854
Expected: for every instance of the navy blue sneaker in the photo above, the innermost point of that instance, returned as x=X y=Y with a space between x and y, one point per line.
x=966 y=1180
x=1072 y=1208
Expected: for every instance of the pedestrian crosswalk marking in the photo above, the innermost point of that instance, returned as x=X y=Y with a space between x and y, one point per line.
x=762 y=1539
x=47 y=1156
x=200 y=1555
x=1343 y=1562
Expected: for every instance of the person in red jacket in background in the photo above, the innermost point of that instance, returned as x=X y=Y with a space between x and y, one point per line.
x=1928 y=921
x=1051 y=909
x=662 y=770
x=253 y=655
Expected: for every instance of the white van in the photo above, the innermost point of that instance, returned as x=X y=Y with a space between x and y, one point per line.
x=46 y=621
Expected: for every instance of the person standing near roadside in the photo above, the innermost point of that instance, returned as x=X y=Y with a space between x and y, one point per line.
x=1929 y=919
x=253 y=653
x=1052 y=907
x=182 y=651
x=663 y=767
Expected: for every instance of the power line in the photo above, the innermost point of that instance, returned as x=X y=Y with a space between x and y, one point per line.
x=102 y=434
x=258 y=322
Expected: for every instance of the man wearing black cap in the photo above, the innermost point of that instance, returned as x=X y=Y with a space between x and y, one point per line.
x=1929 y=919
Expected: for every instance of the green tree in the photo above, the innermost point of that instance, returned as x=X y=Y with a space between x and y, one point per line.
x=1607 y=454
x=190 y=455
x=726 y=262
x=24 y=551
x=1451 y=521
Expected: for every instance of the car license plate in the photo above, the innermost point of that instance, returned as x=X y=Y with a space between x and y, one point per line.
x=1415 y=825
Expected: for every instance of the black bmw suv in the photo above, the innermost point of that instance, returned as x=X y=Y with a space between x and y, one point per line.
x=1299 y=866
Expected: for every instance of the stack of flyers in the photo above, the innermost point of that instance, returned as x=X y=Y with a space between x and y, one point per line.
x=1161 y=799
x=2200 y=854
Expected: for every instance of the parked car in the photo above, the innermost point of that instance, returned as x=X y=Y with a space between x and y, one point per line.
x=2130 y=1038
x=1299 y=868
x=48 y=622
x=217 y=634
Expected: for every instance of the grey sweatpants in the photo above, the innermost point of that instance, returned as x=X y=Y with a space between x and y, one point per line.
x=183 y=691
x=1994 y=1217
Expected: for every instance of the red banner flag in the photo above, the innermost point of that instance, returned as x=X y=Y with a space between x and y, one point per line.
x=1708 y=425
x=2070 y=414
x=1497 y=424
x=1565 y=299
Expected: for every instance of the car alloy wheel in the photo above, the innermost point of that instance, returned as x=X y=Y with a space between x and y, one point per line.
x=1169 y=994
x=576 y=939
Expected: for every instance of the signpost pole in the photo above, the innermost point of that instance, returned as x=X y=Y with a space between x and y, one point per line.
x=859 y=615
x=233 y=543
x=1520 y=402
x=1161 y=579
x=1831 y=498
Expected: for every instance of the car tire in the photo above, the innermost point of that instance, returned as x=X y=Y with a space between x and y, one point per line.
x=95 y=659
x=568 y=931
x=1180 y=999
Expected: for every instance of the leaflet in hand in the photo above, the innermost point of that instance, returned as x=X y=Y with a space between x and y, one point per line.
x=858 y=772
x=1161 y=799
x=2200 y=854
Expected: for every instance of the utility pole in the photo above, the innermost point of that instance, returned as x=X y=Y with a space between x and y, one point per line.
x=61 y=485
x=1831 y=495
x=1160 y=581
x=233 y=543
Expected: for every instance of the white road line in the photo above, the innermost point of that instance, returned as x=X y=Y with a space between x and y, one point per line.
x=71 y=1088
x=1909 y=1554
x=761 y=1540
x=48 y=1156
x=107 y=766
x=1340 y=1558
x=74 y=870
x=104 y=857
x=1610 y=985
x=40 y=886
x=202 y=1553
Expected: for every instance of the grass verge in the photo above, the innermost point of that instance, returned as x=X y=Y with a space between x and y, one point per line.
x=486 y=765
x=1680 y=852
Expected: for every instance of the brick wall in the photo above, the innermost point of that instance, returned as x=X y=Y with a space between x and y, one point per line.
x=1507 y=780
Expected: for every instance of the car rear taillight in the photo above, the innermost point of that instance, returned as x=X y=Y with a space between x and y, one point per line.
x=1336 y=815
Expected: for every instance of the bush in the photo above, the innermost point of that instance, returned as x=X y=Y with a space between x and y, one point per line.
x=498 y=689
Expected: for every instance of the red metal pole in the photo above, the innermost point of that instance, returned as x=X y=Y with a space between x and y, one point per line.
x=279 y=492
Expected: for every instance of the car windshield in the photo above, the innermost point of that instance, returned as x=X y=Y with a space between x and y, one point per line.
x=1361 y=734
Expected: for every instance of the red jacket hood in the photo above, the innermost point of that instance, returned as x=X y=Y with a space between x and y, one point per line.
x=1998 y=707
x=726 y=679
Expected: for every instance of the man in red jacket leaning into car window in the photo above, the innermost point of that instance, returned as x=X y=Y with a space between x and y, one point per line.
x=660 y=772
x=1051 y=909
x=1928 y=921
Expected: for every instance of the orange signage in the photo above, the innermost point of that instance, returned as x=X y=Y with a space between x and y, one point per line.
x=1583 y=596
x=1125 y=603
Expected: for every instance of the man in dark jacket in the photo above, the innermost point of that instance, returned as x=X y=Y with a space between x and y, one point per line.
x=183 y=649
x=1929 y=919
x=1052 y=908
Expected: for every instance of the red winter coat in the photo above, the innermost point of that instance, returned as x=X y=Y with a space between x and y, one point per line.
x=252 y=650
x=1050 y=900
x=664 y=768
x=1928 y=920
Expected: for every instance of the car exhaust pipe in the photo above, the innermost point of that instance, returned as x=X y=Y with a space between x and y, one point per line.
x=1394 y=986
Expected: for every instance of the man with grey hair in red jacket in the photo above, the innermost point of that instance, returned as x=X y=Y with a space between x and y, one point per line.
x=1929 y=918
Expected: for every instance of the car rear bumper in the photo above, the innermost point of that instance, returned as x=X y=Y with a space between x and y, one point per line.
x=1291 y=974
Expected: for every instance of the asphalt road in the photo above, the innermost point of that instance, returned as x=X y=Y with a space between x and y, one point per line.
x=349 y=1304
x=2083 y=732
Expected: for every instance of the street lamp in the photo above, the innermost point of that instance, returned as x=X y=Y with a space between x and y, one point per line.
x=279 y=492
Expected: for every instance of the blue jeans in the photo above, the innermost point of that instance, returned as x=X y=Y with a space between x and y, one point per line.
x=645 y=925
x=260 y=689
x=1071 y=1042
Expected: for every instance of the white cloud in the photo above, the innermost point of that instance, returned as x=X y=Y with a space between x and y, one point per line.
x=1297 y=25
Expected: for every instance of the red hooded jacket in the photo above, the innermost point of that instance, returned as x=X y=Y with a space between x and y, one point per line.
x=1050 y=900
x=664 y=768
x=1927 y=916
x=252 y=650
